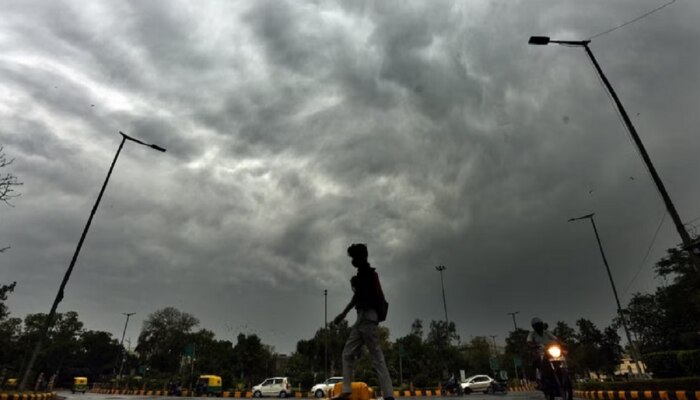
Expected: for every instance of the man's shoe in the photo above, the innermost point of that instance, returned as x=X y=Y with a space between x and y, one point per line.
x=342 y=396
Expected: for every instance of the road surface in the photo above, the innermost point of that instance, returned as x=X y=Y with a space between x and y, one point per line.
x=474 y=396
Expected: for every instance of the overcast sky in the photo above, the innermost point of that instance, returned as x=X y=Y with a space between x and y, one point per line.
x=429 y=130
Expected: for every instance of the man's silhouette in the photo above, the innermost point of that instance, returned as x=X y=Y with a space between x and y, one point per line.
x=371 y=307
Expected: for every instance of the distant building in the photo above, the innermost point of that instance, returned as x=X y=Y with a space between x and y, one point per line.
x=281 y=361
x=629 y=367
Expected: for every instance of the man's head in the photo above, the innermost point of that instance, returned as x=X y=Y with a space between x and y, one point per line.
x=538 y=325
x=358 y=253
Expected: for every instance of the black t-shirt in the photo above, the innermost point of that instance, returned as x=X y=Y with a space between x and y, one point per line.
x=363 y=284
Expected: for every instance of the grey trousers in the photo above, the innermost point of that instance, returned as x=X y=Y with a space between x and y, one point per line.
x=365 y=331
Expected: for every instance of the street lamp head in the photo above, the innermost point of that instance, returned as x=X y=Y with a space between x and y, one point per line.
x=539 y=40
x=587 y=216
x=156 y=147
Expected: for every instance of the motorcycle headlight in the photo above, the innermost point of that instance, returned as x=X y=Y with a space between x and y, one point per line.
x=554 y=351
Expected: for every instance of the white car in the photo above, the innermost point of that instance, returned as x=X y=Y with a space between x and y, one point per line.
x=277 y=387
x=321 y=389
x=476 y=383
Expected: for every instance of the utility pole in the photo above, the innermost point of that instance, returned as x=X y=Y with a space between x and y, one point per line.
x=441 y=268
x=612 y=284
x=121 y=344
x=513 y=314
x=59 y=296
x=688 y=244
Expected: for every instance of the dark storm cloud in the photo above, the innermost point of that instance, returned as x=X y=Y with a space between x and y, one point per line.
x=429 y=130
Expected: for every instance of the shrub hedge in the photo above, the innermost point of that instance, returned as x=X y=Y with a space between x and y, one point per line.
x=691 y=384
x=673 y=364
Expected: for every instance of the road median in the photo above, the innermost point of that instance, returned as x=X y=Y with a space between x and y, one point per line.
x=637 y=394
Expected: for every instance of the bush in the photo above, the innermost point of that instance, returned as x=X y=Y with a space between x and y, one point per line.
x=690 y=362
x=653 y=384
x=672 y=364
x=664 y=364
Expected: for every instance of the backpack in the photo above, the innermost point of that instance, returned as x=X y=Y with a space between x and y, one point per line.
x=382 y=305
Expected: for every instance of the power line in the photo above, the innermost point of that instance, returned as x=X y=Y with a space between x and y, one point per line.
x=641 y=265
x=633 y=20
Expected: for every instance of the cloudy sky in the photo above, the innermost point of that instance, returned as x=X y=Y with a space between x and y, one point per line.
x=428 y=129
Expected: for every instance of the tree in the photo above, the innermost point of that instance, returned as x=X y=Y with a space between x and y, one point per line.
x=251 y=359
x=587 y=351
x=62 y=343
x=213 y=356
x=8 y=182
x=478 y=354
x=668 y=319
x=516 y=346
x=648 y=320
x=417 y=328
x=163 y=338
x=568 y=336
x=307 y=363
x=565 y=333
x=610 y=351
x=414 y=357
x=97 y=354
x=5 y=290
x=443 y=357
x=10 y=343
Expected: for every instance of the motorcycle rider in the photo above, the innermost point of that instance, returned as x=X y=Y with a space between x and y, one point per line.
x=538 y=340
x=540 y=336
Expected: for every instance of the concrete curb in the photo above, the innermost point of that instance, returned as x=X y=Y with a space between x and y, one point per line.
x=638 y=395
x=27 y=396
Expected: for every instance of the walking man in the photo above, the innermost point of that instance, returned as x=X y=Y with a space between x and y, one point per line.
x=368 y=300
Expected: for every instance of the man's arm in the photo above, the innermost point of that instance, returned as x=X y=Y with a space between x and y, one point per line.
x=345 y=312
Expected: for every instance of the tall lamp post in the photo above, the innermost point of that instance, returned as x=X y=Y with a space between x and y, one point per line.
x=325 y=311
x=121 y=367
x=612 y=283
x=513 y=314
x=441 y=268
x=59 y=296
x=685 y=237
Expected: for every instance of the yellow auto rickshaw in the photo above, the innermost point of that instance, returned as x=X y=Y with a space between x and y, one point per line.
x=80 y=384
x=209 y=385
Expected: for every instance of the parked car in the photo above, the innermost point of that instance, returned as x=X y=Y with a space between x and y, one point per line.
x=277 y=387
x=476 y=383
x=321 y=389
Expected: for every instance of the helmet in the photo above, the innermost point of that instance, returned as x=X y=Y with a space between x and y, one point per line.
x=536 y=321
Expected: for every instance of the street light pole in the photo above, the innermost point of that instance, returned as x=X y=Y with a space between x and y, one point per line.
x=59 y=296
x=325 y=355
x=513 y=314
x=121 y=367
x=612 y=284
x=444 y=302
x=670 y=207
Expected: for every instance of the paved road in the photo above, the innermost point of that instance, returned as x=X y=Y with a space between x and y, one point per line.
x=474 y=396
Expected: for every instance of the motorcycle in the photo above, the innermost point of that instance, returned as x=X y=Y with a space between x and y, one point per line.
x=497 y=386
x=553 y=373
x=452 y=387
